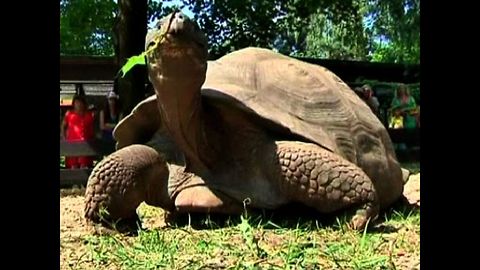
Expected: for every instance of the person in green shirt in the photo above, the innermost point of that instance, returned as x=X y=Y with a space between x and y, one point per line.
x=405 y=103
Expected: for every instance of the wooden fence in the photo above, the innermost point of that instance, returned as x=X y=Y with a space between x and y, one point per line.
x=95 y=148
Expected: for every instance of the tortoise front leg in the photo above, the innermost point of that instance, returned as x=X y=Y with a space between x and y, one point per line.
x=325 y=181
x=123 y=180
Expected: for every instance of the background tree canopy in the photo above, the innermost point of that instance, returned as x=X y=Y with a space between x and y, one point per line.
x=370 y=30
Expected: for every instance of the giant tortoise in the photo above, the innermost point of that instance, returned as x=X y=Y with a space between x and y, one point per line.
x=253 y=125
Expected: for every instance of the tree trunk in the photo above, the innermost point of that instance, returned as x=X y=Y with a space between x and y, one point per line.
x=131 y=30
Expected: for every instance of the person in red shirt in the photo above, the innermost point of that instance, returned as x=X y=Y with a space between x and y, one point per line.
x=78 y=126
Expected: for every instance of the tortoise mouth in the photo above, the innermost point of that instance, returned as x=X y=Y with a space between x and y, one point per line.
x=177 y=44
x=179 y=51
x=180 y=38
x=175 y=31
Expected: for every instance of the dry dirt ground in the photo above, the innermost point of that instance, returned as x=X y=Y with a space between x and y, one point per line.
x=75 y=253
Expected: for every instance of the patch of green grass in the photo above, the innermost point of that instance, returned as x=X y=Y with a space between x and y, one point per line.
x=256 y=242
x=357 y=252
x=403 y=216
x=149 y=250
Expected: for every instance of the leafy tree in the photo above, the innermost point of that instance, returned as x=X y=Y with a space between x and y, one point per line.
x=396 y=27
x=372 y=30
x=382 y=31
x=86 y=27
x=277 y=24
x=234 y=24
x=333 y=37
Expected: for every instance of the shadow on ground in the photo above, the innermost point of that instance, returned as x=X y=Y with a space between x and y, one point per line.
x=288 y=217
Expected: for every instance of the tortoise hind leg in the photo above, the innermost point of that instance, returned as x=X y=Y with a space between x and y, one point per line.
x=325 y=181
x=123 y=180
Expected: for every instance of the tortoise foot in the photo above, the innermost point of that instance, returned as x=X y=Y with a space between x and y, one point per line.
x=121 y=181
x=363 y=216
x=199 y=198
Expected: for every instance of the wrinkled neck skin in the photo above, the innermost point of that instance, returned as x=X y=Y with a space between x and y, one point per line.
x=177 y=85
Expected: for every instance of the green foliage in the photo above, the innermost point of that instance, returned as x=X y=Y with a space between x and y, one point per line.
x=386 y=31
x=131 y=62
x=231 y=24
x=381 y=31
x=279 y=24
x=372 y=30
x=86 y=27
x=332 y=39
x=140 y=59
x=398 y=21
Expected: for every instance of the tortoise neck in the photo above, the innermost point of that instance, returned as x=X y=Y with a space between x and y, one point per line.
x=180 y=104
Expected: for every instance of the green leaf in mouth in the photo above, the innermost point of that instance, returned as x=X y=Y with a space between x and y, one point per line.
x=140 y=59
x=133 y=61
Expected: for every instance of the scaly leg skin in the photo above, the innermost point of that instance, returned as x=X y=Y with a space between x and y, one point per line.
x=325 y=181
x=123 y=180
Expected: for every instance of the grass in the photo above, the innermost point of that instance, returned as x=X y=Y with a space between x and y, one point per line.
x=250 y=241
x=257 y=242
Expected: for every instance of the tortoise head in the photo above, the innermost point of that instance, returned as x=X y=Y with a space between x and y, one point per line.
x=177 y=48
